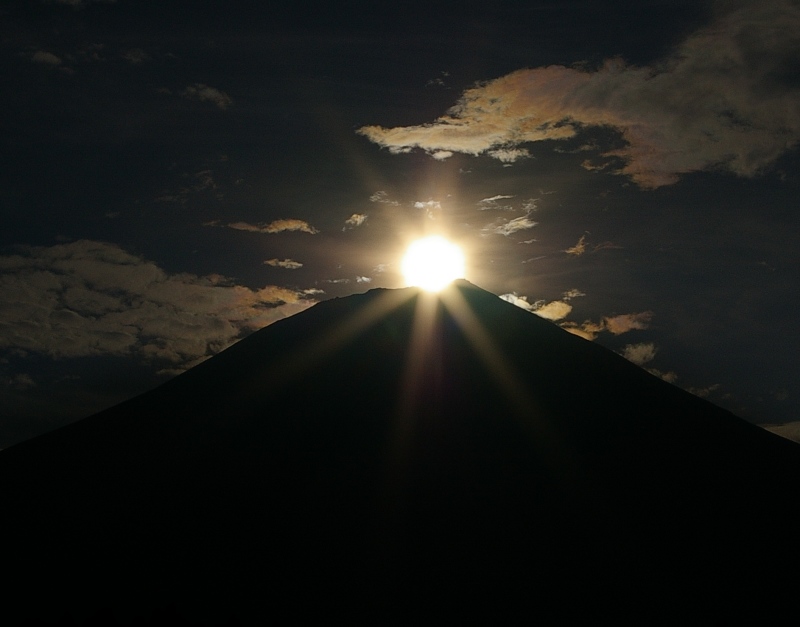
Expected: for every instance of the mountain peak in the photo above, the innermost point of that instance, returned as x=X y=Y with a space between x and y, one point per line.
x=384 y=452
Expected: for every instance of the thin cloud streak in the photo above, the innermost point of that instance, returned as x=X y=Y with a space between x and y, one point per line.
x=276 y=226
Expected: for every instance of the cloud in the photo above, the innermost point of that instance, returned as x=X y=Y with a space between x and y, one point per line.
x=627 y=322
x=726 y=98
x=204 y=93
x=579 y=248
x=289 y=264
x=507 y=227
x=276 y=226
x=492 y=203
x=509 y=155
x=429 y=206
x=382 y=197
x=669 y=377
x=573 y=293
x=355 y=220
x=519 y=301
x=588 y=330
x=363 y=279
x=616 y=325
x=640 y=354
x=704 y=391
x=789 y=430
x=94 y=298
x=555 y=310
x=135 y=56
x=45 y=58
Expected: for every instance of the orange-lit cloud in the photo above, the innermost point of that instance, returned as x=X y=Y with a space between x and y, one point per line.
x=276 y=226
x=627 y=322
x=726 y=98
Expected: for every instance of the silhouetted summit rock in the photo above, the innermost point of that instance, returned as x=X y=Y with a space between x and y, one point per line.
x=401 y=456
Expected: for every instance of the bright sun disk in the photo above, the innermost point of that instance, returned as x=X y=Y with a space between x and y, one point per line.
x=432 y=263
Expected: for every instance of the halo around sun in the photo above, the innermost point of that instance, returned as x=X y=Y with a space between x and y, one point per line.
x=432 y=263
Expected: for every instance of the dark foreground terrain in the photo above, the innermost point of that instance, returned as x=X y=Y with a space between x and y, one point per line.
x=396 y=458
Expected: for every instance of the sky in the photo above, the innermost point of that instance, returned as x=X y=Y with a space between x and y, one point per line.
x=177 y=175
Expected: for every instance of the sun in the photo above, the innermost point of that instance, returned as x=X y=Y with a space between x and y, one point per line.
x=432 y=263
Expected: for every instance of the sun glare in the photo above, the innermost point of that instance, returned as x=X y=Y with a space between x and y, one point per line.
x=432 y=263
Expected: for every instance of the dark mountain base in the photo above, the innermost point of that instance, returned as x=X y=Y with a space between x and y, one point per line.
x=361 y=461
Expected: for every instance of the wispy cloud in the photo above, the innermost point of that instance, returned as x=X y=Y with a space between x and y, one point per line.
x=204 y=93
x=94 y=298
x=289 y=264
x=276 y=226
x=579 y=248
x=492 y=203
x=727 y=98
x=382 y=197
x=508 y=227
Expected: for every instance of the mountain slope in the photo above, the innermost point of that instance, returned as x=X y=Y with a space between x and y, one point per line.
x=391 y=452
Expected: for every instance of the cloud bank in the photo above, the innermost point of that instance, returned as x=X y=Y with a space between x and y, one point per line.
x=727 y=98
x=93 y=298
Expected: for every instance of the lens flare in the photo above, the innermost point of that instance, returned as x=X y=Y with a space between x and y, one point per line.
x=432 y=263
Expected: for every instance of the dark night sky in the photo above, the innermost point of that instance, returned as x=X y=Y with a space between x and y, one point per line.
x=176 y=175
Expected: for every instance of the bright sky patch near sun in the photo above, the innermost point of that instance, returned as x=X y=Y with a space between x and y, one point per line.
x=432 y=263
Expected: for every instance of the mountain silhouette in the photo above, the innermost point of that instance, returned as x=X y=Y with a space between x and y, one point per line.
x=398 y=456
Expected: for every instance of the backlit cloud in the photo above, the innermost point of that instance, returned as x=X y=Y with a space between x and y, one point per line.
x=554 y=310
x=494 y=203
x=579 y=248
x=627 y=322
x=289 y=264
x=616 y=325
x=519 y=301
x=94 y=298
x=507 y=227
x=355 y=220
x=727 y=98
x=276 y=226
x=383 y=198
